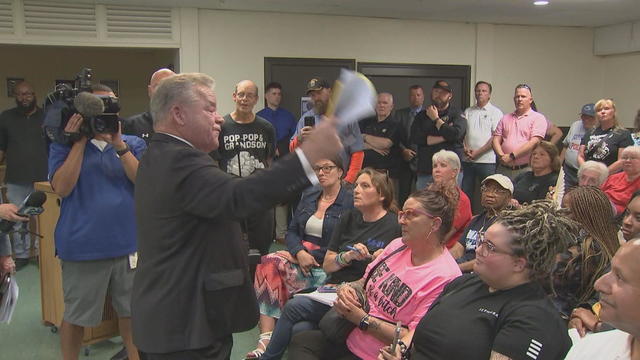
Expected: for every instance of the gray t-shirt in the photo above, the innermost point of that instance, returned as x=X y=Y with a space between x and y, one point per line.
x=572 y=143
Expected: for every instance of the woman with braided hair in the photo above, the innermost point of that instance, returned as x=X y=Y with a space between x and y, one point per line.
x=501 y=310
x=583 y=263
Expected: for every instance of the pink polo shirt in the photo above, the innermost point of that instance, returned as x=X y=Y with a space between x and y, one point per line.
x=517 y=130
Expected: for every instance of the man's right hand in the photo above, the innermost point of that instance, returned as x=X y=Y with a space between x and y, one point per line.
x=74 y=123
x=10 y=212
x=305 y=132
x=323 y=142
x=408 y=154
x=7 y=265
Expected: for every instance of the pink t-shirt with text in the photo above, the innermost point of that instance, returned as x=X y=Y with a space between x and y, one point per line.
x=517 y=130
x=398 y=290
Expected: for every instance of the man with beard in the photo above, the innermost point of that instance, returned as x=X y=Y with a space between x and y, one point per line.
x=438 y=127
x=23 y=144
x=353 y=145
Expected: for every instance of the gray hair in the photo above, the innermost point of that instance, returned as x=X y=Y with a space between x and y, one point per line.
x=596 y=166
x=178 y=89
x=448 y=157
x=632 y=149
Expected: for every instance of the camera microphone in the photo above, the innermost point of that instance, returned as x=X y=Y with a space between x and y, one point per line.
x=88 y=105
x=32 y=205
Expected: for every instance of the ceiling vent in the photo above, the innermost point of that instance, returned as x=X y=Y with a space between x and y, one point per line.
x=132 y=22
x=6 y=17
x=59 y=19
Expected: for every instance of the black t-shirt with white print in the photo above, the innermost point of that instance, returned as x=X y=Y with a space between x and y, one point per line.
x=245 y=148
x=602 y=145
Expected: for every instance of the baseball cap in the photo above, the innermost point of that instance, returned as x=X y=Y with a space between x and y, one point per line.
x=588 y=109
x=317 y=84
x=502 y=180
x=441 y=84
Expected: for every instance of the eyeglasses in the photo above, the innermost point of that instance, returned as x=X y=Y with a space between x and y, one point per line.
x=495 y=190
x=325 y=169
x=523 y=86
x=485 y=247
x=410 y=214
x=243 y=95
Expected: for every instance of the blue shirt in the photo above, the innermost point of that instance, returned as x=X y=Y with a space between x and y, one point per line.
x=282 y=120
x=97 y=219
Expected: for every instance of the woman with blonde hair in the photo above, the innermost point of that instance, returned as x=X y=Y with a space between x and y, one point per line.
x=605 y=142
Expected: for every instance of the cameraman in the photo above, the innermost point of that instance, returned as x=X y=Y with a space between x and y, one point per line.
x=96 y=233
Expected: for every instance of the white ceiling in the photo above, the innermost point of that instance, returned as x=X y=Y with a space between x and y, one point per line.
x=588 y=13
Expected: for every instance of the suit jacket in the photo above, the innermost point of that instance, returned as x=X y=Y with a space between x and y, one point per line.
x=192 y=284
x=404 y=118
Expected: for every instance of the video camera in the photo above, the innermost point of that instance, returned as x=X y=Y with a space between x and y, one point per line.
x=100 y=112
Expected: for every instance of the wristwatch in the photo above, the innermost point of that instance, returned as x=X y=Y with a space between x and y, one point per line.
x=123 y=151
x=364 y=323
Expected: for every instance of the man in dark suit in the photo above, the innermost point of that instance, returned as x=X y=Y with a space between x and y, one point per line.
x=404 y=117
x=192 y=289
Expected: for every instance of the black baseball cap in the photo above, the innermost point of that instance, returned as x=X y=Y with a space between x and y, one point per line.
x=441 y=84
x=317 y=84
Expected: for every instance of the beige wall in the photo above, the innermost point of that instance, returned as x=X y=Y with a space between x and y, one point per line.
x=557 y=62
x=42 y=65
x=622 y=83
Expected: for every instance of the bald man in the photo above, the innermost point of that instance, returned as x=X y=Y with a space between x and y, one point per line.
x=141 y=125
x=619 y=296
x=247 y=144
x=23 y=145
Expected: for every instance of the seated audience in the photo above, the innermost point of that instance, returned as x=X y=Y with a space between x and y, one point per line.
x=446 y=167
x=619 y=296
x=592 y=173
x=500 y=311
x=585 y=261
x=368 y=228
x=406 y=278
x=605 y=142
x=282 y=274
x=631 y=221
x=620 y=186
x=535 y=184
x=495 y=196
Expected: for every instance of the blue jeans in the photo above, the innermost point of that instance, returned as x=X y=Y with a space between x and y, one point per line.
x=16 y=193
x=299 y=314
x=423 y=180
x=472 y=171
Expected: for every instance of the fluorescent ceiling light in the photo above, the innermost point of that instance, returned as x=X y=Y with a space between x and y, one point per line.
x=541 y=3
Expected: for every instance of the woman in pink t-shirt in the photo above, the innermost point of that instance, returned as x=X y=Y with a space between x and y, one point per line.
x=406 y=278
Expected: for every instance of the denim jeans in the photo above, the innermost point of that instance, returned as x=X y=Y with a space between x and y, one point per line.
x=473 y=171
x=16 y=193
x=299 y=314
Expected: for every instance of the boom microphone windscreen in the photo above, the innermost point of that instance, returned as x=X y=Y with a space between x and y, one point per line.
x=88 y=105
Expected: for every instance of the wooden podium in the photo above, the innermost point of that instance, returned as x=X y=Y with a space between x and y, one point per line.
x=51 y=275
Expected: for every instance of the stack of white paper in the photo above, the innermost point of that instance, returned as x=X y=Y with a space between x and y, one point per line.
x=8 y=299
x=324 y=298
x=353 y=97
